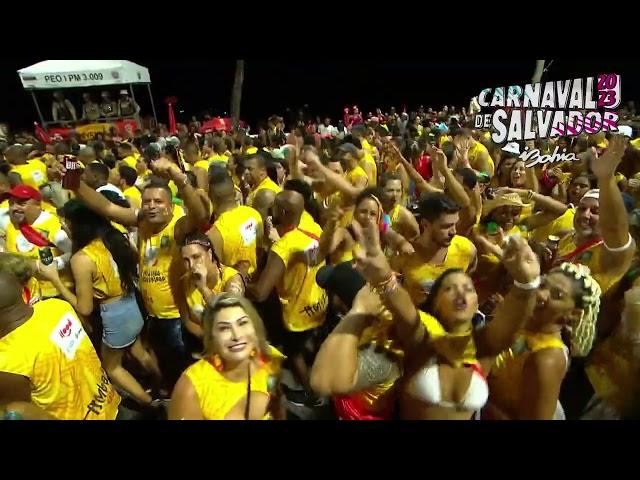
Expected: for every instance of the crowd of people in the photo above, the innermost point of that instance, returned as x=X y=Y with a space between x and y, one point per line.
x=395 y=266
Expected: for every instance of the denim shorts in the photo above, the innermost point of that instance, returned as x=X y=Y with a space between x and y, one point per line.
x=121 y=322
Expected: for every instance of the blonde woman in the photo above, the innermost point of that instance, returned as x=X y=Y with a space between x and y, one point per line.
x=525 y=381
x=237 y=378
x=24 y=269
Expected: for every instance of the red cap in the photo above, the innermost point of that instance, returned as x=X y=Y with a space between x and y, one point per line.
x=25 y=192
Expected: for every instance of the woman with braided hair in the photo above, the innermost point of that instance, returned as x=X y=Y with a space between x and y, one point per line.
x=525 y=380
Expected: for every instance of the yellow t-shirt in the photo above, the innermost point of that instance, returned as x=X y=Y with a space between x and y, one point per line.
x=240 y=228
x=268 y=184
x=218 y=396
x=303 y=301
x=134 y=196
x=251 y=150
x=157 y=252
x=635 y=143
x=203 y=164
x=419 y=276
x=474 y=155
x=560 y=224
x=194 y=298
x=106 y=282
x=53 y=351
x=443 y=139
x=373 y=177
x=307 y=222
x=130 y=161
x=49 y=227
x=215 y=158
x=33 y=173
x=589 y=258
x=355 y=174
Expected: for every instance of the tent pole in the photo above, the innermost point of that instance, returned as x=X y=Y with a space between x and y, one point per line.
x=133 y=97
x=44 y=125
x=153 y=107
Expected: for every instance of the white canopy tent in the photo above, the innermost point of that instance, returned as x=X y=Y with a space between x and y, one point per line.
x=61 y=74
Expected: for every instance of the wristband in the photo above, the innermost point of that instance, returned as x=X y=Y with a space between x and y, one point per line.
x=532 y=285
x=620 y=249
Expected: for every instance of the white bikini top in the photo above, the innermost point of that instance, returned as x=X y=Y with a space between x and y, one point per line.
x=425 y=386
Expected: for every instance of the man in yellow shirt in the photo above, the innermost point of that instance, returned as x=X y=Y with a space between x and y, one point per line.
x=365 y=155
x=35 y=233
x=128 y=177
x=160 y=232
x=257 y=177
x=291 y=269
x=348 y=155
x=477 y=154
x=437 y=249
x=237 y=232
x=30 y=172
x=127 y=155
x=48 y=366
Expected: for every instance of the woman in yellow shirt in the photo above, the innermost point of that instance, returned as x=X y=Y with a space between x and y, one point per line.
x=238 y=378
x=525 y=380
x=104 y=271
x=204 y=278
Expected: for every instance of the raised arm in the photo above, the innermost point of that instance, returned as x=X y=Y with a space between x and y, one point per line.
x=452 y=186
x=523 y=266
x=98 y=203
x=375 y=268
x=421 y=183
x=551 y=209
x=349 y=192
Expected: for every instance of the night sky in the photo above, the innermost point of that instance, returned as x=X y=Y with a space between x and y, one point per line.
x=272 y=86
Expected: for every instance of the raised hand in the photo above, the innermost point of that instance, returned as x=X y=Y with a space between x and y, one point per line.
x=438 y=160
x=520 y=261
x=369 y=258
x=605 y=166
x=162 y=167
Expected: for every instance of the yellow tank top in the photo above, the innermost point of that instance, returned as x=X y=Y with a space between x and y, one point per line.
x=239 y=229
x=303 y=301
x=217 y=396
x=203 y=164
x=267 y=184
x=506 y=373
x=33 y=173
x=48 y=226
x=474 y=153
x=419 y=276
x=53 y=351
x=215 y=158
x=307 y=222
x=589 y=258
x=106 y=283
x=134 y=196
x=355 y=174
x=561 y=224
x=194 y=298
x=157 y=252
x=373 y=177
x=130 y=161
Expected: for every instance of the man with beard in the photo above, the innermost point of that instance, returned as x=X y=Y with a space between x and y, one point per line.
x=601 y=243
x=437 y=249
x=36 y=233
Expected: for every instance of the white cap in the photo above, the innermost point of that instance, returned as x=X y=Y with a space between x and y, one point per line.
x=595 y=193
x=625 y=130
x=512 y=147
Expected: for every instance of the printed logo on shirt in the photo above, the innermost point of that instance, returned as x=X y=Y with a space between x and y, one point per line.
x=151 y=255
x=22 y=244
x=312 y=254
x=37 y=176
x=249 y=232
x=67 y=335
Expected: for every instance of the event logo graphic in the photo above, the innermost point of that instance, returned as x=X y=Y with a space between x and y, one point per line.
x=551 y=109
